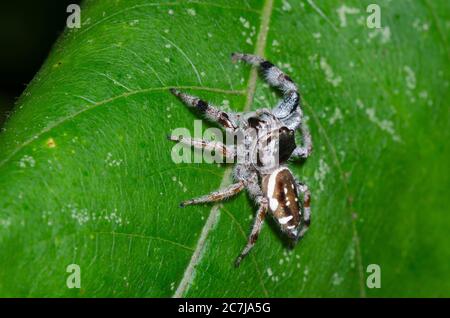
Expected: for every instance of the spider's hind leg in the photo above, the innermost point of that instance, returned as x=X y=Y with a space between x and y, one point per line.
x=216 y=195
x=211 y=112
x=303 y=188
x=259 y=219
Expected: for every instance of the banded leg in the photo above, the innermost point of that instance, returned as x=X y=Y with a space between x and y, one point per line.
x=226 y=151
x=211 y=112
x=216 y=195
x=303 y=188
x=276 y=78
x=259 y=219
x=305 y=150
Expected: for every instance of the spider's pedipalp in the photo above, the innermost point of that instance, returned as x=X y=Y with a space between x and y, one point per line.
x=259 y=219
x=212 y=112
x=215 y=196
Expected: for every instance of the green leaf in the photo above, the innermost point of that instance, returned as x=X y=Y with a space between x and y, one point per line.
x=86 y=175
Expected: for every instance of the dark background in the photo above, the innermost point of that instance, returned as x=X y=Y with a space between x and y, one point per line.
x=28 y=30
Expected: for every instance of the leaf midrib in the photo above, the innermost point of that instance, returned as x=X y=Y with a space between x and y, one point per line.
x=188 y=275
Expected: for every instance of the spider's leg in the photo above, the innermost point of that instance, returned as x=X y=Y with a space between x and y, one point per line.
x=276 y=78
x=226 y=151
x=305 y=150
x=303 y=188
x=260 y=215
x=216 y=195
x=211 y=112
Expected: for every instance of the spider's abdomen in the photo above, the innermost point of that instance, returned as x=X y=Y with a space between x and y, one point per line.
x=280 y=189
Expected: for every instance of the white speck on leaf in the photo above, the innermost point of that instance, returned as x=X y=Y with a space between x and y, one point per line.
x=336 y=116
x=321 y=173
x=305 y=274
x=286 y=6
x=410 y=77
x=384 y=124
x=134 y=22
x=244 y=22
x=423 y=94
x=336 y=279
x=419 y=26
x=27 y=161
x=191 y=12
x=329 y=74
x=5 y=223
x=182 y=186
x=359 y=103
x=110 y=161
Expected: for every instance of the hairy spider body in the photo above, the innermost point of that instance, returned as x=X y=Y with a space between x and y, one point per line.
x=267 y=142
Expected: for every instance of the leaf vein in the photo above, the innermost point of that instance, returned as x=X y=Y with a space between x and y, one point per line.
x=147 y=237
x=106 y=101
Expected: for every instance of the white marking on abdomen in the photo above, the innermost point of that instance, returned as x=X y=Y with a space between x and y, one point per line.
x=273 y=202
x=285 y=219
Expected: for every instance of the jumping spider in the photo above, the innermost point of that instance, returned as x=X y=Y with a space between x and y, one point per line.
x=269 y=182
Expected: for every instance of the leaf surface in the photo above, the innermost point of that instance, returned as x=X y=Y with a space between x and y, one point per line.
x=86 y=175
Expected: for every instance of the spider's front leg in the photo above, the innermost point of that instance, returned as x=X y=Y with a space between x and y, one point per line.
x=259 y=219
x=287 y=110
x=226 y=151
x=211 y=112
x=215 y=196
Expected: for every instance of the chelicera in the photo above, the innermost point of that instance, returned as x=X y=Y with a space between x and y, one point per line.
x=267 y=143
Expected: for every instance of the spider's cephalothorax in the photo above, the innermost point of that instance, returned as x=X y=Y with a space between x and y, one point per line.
x=267 y=143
